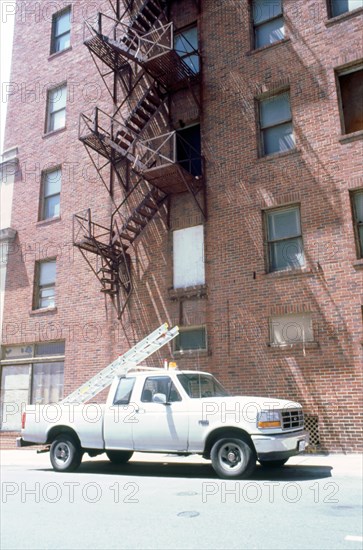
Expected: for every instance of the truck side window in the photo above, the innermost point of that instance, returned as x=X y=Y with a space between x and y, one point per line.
x=123 y=392
x=159 y=384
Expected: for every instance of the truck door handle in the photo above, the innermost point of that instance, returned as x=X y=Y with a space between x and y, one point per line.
x=140 y=411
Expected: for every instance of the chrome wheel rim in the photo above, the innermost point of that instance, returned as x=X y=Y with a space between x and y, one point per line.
x=230 y=456
x=62 y=453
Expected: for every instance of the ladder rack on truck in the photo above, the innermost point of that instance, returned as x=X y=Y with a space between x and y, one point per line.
x=123 y=364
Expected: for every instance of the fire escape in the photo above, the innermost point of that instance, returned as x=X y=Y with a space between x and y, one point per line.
x=136 y=146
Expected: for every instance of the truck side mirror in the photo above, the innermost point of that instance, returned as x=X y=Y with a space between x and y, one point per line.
x=159 y=398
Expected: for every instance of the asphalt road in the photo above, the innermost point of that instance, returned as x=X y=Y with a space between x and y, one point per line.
x=164 y=502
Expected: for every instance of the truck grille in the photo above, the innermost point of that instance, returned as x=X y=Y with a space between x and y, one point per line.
x=292 y=419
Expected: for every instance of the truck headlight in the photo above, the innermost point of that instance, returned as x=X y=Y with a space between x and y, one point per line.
x=269 y=419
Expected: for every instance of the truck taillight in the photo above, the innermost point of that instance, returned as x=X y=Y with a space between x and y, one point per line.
x=23 y=418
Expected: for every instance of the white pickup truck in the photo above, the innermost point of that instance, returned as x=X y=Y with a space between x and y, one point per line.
x=170 y=411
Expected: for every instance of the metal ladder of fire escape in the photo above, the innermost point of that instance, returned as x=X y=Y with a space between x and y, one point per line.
x=114 y=271
x=129 y=360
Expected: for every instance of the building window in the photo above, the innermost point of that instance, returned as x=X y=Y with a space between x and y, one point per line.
x=284 y=240
x=61 y=31
x=188 y=149
x=268 y=22
x=357 y=203
x=45 y=284
x=276 y=124
x=191 y=339
x=350 y=84
x=50 y=199
x=186 y=46
x=338 y=7
x=291 y=329
x=56 y=108
x=188 y=257
x=37 y=377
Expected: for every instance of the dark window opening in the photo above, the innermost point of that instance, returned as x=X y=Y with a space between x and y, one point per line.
x=188 y=149
x=351 y=93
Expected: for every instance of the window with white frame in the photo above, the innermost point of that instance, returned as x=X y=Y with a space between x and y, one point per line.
x=186 y=46
x=268 y=22
x=338 y=7
x=357 y=203
x=31 y=373
x=276 y=124
x=188 y=257
x=44 y=292
x=284 y=239
x=191 y=339
x=56 y=108
x=291 y=329
x=350 y=91
x=61 y=31
x=50 y=189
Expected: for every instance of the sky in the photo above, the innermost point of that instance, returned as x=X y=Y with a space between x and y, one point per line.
x=7 y=9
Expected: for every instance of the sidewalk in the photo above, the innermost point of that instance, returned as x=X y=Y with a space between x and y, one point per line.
x=350 y=465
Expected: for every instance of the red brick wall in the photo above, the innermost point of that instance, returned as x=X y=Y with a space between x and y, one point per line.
x=318 y=175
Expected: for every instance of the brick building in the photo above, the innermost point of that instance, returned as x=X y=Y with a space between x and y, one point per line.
x=212 y=153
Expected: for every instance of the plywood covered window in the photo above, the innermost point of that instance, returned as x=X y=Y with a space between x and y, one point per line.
x=188 y=257
x=291 y=329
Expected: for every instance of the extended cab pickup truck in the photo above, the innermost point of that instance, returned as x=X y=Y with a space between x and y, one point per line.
x=170 y=411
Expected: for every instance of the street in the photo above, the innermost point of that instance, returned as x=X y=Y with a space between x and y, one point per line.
x=162 y=502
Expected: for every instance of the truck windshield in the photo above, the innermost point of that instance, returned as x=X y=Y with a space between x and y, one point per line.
x=201 y=385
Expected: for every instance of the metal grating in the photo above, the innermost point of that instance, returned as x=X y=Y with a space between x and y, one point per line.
x=312 y=426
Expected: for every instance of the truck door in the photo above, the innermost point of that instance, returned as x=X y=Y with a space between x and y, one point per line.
x=119 y=417
x=160 y=426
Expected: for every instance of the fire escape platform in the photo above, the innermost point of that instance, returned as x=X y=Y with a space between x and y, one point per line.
x=99 y=46
x=170 y=71
x=172 y=178
x=104 y=146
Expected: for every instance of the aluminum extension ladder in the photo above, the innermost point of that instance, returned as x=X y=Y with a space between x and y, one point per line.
x=122 y=364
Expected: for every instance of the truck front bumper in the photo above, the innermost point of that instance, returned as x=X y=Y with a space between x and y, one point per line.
x=280 y=446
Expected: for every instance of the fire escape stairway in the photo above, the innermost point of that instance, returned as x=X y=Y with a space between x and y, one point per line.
x=114 y=272
x=108 y=48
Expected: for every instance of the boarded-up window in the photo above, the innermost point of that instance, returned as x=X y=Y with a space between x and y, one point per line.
x=188 y=257
x=291 y=329
x=351 y=94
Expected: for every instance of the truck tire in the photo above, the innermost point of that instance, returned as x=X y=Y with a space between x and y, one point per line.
x=273 y=463
x=232 y=458
x=119 y=457
x=65 y=453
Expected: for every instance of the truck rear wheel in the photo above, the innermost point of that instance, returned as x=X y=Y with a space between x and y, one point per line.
x=119 y=457
x=65 y=453
x=232 y=458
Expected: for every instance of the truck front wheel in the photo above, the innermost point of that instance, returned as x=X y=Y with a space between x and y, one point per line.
x=65 y=453
x=232 y=458
x=119 y=457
